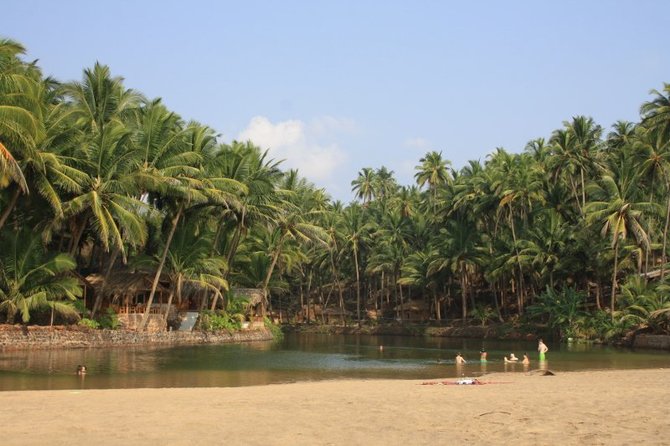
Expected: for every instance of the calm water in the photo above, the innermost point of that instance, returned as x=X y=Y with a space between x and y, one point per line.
x=300 y=357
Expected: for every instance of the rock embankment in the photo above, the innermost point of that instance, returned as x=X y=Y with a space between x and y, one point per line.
x=18 y=337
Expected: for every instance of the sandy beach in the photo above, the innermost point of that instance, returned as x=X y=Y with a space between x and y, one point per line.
x=593 y=408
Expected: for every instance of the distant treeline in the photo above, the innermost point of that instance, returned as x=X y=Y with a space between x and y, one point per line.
x=94 y=177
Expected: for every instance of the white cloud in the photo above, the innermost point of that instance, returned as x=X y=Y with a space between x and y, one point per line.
x=308 y=148
x=418 y=143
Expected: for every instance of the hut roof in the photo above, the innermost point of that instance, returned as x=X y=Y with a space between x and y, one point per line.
x=334 y=311
x=124 y=283
x=412 y=305
x=253 y=295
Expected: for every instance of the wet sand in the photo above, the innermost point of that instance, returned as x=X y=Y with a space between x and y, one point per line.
x=592 y=408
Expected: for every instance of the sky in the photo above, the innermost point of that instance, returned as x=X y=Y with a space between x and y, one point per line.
x=331 y=87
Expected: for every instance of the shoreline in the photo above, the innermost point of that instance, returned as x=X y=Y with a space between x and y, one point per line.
x=592 y=407
x=33 y=337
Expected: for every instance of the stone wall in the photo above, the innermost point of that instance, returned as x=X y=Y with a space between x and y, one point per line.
x=659 y=342
x=18 y=337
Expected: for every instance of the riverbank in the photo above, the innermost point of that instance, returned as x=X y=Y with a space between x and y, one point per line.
x=21 y=337
x=598 y=407
x=493 y=331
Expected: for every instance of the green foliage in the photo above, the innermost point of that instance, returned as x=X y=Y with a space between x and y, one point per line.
x=237 y=304
x=109 y=320
x=646 y=304
x=90 y=323
x=220 y=320
x=276 y=330
x=93 y=169
x=33 y=280
x=562 y=310
x=483 y=314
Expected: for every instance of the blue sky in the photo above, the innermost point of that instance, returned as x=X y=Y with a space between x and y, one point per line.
x=335 y=86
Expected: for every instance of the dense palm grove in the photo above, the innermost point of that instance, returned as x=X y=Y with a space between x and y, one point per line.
x=571 y=232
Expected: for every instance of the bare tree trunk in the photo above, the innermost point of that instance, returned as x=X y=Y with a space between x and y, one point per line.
x=664 y=257
x=358 y=287
x=614 y=283
x=10 y=207
x=76 y=237
x=520 y=289
x=169 y=303
x=108 y=271
x=157 y=277
x=464 y=297
x=266 y=282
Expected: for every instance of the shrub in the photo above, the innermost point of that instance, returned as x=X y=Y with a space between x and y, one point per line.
x=220 y=320
x=483 y=314
x=109 y=320
x=89 y=323
x=562 y=310
x=276 y=331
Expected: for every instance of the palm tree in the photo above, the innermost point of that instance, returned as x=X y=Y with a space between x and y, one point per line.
x=48 y=168
x=364 y=185
x=458 y=252
x=101 y=111
x=19 y=125
x=519 y=188
x=291 y=223
x=619 y=213
x=32 y=280
x=354 y=229
x=190 y=262
x=434 y=172
x=191 y=187
x=656 y=113
x=384 y=184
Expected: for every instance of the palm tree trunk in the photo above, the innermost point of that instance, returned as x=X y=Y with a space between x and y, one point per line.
x=10 y=207
x=358 y=287
x=574 y=193
x=616 y=265
x=157 y=277
x=665 y=238
x=108 y=271
x=169 y=303
x=402 y=298
x=234 y=244
x=76 y=237
x=339 y=287
x=581 y=171
x=520 y=288
x=266 y=282
x=464 y=297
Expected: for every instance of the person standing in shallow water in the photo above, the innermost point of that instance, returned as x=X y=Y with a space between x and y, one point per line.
x=459 y=359
x=483 y=355
x=542 y=349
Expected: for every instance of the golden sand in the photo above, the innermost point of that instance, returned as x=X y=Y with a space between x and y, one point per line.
x=590 y=408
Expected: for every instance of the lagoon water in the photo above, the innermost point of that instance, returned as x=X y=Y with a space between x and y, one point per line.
x=299 y=357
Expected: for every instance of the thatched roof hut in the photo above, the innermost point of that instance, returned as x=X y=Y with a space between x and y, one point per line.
x=413 y=310
x=253 y=296
x=125 y=287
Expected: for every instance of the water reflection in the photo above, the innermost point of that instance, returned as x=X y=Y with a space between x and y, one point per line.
x=300 y=357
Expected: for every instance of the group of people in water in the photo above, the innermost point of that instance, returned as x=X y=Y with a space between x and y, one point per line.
x=542 y=349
